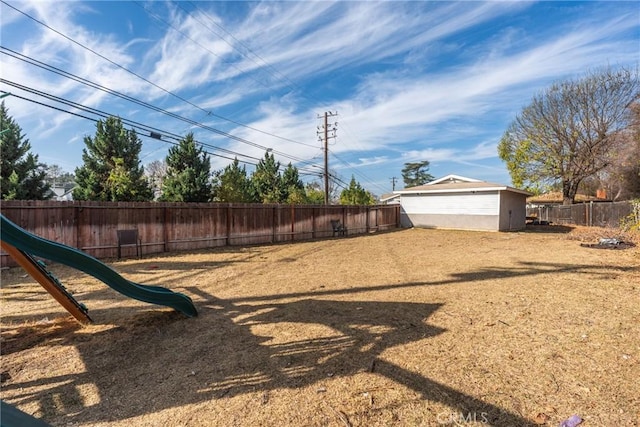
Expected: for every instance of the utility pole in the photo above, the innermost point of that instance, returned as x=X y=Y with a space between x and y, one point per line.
x=393 y=182
x=328 y=131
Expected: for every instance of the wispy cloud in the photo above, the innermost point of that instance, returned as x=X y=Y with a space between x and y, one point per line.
x=388 y=107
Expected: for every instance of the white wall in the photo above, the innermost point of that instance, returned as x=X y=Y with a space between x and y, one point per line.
x=467 y=203
x=464 y=210
x=513 y=212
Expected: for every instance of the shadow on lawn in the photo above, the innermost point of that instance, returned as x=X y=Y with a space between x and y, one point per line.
x=160 y=360
x=549 y=228
x=225 y=357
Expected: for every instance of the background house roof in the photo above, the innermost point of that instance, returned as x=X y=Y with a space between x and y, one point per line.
x=388 y=196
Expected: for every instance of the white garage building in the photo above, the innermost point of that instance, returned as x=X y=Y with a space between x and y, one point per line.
x=463 y=203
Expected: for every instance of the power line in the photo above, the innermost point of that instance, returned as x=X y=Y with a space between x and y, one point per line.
x=162 y=135
x=97 y=120
x=266 y=64
x=104 y=57
x=366 y=178
x=208 y=112
x=152 y=131
x=357 y=172
x=183 y=34
x=268 y=67
x=242 y=140
x=233 y=65
x=91 y=84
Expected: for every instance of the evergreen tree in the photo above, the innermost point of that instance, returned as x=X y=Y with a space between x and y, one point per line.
x=232 y=185
x=188 y=173
x=22 y=177
x=267 y=181
x=111 y=169
x=292 y=186
x=356 y=195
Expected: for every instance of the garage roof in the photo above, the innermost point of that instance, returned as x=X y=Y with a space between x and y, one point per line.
x=458 y=184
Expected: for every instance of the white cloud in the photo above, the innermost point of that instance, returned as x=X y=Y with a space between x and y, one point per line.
x=369 y=161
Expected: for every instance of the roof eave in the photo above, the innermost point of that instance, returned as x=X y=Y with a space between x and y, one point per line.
x=465 y=190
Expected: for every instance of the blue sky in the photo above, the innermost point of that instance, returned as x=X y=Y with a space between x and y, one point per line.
x=410 y=81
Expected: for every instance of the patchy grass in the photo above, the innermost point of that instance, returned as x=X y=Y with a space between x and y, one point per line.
x=414 y=327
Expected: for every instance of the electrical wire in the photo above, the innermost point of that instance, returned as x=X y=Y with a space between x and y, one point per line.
x=280 y=76
x=164 y=135
x=208 y=112
x=268 y=67
x=91 y=84
x=357 y=172
x=167 y=135
x=131 y=99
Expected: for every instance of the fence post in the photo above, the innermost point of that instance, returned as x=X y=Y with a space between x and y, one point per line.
x=229 y=213
x=274 y=212
x=165 y=230
x=586 y=214
x=344 y=216
x=368 y=212
x=76 y=221
x=293 y=220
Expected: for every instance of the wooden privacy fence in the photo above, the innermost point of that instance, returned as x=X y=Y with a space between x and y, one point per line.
x=166 y=227
x=600 y=214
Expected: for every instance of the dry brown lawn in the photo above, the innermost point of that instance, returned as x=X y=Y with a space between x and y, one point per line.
x=408 y=328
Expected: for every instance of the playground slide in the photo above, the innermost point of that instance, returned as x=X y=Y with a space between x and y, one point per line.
x=57 y=252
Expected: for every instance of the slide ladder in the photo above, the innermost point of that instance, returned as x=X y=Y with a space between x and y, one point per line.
x=49 y=282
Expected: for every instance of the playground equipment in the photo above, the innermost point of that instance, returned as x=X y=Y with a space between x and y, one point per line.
x=23 y=246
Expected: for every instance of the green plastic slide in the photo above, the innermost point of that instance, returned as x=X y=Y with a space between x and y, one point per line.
x=57 y=252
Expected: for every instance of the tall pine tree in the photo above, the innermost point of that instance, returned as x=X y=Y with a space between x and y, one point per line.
x=188 y=176
x=292 y=186
x=111 y=169
x=22 y=177
x=233 y=186
x=267 y=181
x=356 y=195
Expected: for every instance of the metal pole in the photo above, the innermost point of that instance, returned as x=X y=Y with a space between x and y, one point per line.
x=326 y=159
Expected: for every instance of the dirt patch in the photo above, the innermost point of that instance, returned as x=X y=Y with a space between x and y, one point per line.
x=414 y=327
